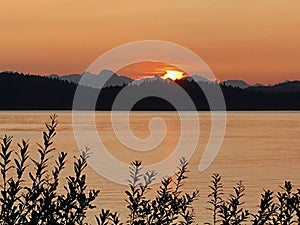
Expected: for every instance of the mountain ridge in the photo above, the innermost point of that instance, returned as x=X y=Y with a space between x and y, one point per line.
x=31 y=92
x=119 y=80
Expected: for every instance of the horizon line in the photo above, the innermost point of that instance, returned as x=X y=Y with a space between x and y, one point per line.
x=146 y=76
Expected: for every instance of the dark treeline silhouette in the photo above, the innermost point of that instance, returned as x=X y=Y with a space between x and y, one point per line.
x=28 y=92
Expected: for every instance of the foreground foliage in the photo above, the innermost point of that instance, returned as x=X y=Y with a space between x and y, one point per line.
x=40 y=201
x=282 y=208
x=170 y=206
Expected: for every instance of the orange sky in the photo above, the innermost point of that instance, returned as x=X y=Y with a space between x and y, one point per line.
x=258 y=41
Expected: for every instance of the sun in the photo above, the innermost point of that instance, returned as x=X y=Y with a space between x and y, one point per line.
x=173 y=75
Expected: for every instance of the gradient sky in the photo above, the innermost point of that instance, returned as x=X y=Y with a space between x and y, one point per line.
x=258 y=41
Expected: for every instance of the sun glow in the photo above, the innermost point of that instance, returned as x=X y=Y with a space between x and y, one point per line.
x=173 y=75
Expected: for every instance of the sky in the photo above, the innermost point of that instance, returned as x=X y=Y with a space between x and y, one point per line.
x=257 y=41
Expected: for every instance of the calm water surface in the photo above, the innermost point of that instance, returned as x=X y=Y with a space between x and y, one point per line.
x=260 y=148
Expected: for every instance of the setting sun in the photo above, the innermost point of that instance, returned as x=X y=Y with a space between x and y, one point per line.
x=173 y=75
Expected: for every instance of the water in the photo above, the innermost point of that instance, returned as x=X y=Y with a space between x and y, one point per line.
x=260 y=148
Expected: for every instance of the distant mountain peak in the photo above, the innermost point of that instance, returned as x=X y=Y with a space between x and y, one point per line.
x=257 y=85
x=113 y=78
x=197 y=78
x=153 y=79
x=235 y=83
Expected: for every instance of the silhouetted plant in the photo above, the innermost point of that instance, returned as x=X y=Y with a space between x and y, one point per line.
x=215 y=197
x=231 y=212
x=170 y=206
x=267 y=209
x=10 y=193
x=283 y=210
x=297 y=205
x=40 y=203
x=287 y=206
x=106 y=217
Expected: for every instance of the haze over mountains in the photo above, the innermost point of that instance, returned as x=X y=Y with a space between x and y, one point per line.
x=31 y=92
x=114 y=79
x=119 y=80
